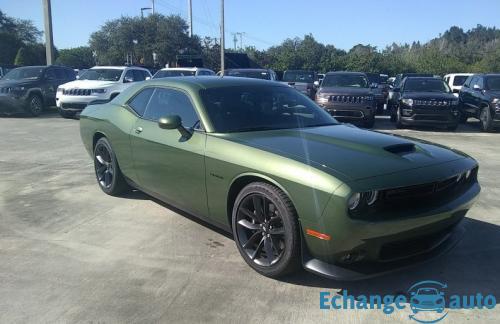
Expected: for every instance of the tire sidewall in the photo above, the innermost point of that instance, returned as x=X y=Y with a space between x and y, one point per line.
x=105 y=142
x=485 y=125
x=30 y=107
x=289 y=219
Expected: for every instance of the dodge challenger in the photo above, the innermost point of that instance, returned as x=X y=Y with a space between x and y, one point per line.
x=295 y=187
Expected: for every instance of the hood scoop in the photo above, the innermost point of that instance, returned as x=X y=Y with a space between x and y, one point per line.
x=401 y=149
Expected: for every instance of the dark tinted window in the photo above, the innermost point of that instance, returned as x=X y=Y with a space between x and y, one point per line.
x=265 y=75
x=70 y=74
x=50 y=74
x=493 y=83
x=173 y=73
x=468 y=81
x=459 y=80
x=345 y=80
x=299 y=76
x=165 y=102
x=138 y=75
x=60 y=74
x=425 y=85
x=253 y=108
x=141 y=100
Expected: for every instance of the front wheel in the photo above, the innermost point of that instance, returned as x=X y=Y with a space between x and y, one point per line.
x=486 y=120
x=266 y=230
x=108 y=173
x=35 y=105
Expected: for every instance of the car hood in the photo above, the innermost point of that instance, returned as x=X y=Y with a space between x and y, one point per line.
x=428 y=95
x=88 y=84
x=347 y=151
x=342 y=91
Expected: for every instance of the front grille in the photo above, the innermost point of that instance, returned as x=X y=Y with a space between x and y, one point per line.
x=77 y=92
x=346 y=113
x=79 y=106
x=432 y=103
x=416 y=199
x=5 y=90
x=348 y=99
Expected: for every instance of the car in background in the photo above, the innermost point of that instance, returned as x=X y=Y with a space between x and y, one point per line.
x=301 y=80
x=456 y=80
x=32 y=89
x=425 y=101
x=182 y=71
x=4 y=69
x=293 y=186
x=480 y=98
x=100 y=83
x=347 y=96
x=380 y=89
x=263 y=74
x=392 y=97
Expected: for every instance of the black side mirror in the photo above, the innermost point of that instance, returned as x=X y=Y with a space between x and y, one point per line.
x=174 y=122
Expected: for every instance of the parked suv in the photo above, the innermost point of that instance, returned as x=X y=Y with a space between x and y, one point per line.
x=264 y=74
x=301 y=80
x=393 y=97
x=456 y=80
x=100 y=83
x=380 y=89
x=480 y=98
x=31 y=89
x=4 y=69
x=182 y=71
x=348 y=97
x=425 y=101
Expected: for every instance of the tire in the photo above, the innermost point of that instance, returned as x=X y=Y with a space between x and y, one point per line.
x=399 y=122
x=254 y=234
x=486 y=120
x=107 y=171
x=34 y=105
x=368 y=123
x=67 y=114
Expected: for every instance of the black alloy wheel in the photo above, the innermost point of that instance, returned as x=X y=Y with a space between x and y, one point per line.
x=107 y=171
x=35 y=105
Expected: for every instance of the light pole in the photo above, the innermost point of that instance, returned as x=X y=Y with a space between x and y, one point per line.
x=222 y=67
x=49 y=39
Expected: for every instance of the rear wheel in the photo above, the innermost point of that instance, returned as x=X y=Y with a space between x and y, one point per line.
x=108 y=173
x=399 y=121
x=35 y=105
x=266 y=230
x=486 y=120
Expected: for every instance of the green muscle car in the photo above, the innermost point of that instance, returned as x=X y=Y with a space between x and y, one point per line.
x=294 y=186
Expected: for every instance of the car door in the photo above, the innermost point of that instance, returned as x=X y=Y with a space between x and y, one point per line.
x=167 y=164
x=466 y=94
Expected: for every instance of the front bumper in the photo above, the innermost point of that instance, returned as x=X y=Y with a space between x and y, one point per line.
x=12 y=104
x=77 y=103
x=350 y=112
x=429 y=116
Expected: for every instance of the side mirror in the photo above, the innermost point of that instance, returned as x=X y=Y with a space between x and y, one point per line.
x=174 y=122
x=316 y=84
x=77 y=77
x=477 y=87
x=128 y=79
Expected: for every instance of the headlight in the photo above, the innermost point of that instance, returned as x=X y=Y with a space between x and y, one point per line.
x=408 y=102
x=98 y=91
x=17 y=89
x=322 y=98
x=496 y=102
x=353 y=202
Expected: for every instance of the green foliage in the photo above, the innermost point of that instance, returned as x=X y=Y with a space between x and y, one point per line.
x=165 y=35
x=31 y=55
x=77 y=58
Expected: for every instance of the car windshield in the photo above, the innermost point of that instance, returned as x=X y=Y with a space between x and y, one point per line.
x=261 y=107
x=265 y=75
x=102 y=74
x=426 y=85
x=345 y=80
x=493 y=83
x=173 y=73
x=459 y=80
x=374 y=78
x=24 y=73
x=298 y=76
x=427 y=291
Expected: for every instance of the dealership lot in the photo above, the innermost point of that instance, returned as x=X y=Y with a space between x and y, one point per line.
x=69 y=253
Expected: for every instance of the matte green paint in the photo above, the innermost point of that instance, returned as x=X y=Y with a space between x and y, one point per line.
x=318 y=168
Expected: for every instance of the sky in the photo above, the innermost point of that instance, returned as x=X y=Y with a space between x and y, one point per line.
x=269 y=22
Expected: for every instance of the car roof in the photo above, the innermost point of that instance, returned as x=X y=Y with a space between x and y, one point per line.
x=116 y=67
x=455 y=74
x=424 y=78
x=346 y=72
x=248 y=69
x=197 y=83
x=183 y=69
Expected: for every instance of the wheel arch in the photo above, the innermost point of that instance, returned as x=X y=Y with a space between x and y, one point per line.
x=97 y=136
x=240 y=181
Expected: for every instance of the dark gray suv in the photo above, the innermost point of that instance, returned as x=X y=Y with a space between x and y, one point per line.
x=347 y=96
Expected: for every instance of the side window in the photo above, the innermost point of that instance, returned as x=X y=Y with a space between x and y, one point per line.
x=467 y=82
x=473 y=81
x=146 y=75
x=138 y=75
x=140 y=101
x=480 y=82
x=129 y=76
x=50 y=74
x=60 y=75
x=70 y=74
x=165 y=102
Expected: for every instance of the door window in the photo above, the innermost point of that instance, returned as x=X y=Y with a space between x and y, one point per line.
x=139 y=75
x=50 y=74
x=166 y=102
x=129 y=76
x=140 y=101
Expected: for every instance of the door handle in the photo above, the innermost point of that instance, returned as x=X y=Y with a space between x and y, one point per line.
x=138 y=130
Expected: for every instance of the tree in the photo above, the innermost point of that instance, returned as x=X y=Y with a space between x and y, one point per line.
x=77 y=58
x=14 y=34
x=167 y=36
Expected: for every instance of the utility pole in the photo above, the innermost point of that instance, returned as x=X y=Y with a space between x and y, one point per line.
x=241 y=39
x=190 y=17
x=235 y=40
x=153 y=6
x=49 y=38
x=222 y=67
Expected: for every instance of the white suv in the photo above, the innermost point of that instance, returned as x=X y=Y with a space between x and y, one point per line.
x=182 y=71
x=455 y=81
x=100 y=83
